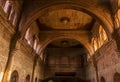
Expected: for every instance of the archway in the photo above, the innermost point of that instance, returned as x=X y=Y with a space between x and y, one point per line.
x=49 y=40
x=58 y=5
x=27 y=79
x=116 y=77
x=14 y=76
x=65 y=53
x=36 y=79
x=102 y=79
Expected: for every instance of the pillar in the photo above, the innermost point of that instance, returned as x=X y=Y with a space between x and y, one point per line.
x=96 y=68
x=13 y=42
x=34 y=65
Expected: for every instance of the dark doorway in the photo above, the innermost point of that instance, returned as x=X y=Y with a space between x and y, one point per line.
x=14 y=76
x=102 y=79
x=116 y=77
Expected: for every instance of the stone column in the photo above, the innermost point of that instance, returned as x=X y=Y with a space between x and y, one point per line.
x=34 y=65
x=96 y=68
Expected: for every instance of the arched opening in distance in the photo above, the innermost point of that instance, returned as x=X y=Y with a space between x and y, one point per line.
x=27 y=79
x=14 y=76
x=102 y=79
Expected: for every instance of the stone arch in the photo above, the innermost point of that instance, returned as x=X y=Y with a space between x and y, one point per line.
x=49 y=40
x=102 y=79
x=116 y=77
x=36 y=79
x=14 y=76
x=107 y=25
x=27 y=79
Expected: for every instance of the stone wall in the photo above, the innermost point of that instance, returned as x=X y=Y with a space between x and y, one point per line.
x=39 y=71
x=22 y=62
x=5 y=36
x=108 y=63
x=23 y=55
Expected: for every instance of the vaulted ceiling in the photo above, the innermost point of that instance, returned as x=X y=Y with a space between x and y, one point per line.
x=62 y=22
x=65 y=19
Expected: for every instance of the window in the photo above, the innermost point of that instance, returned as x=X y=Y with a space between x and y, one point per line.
x=14 y=76
x=12 y=15
x=94 y=43
x=102 y=35
x=27 y=79
x=7 y=7
x=99 y=39
x=10 y=11
x=15 y=19
x=102 y=79
x=36 y=79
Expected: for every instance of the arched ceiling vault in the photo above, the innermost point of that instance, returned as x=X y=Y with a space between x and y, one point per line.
x=65 y=47
x=42 y=24
x=87 y=7
x=86 y=45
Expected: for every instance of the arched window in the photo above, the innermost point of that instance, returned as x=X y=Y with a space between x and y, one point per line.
x=102 y=36
x=116 y=77
x=36 y=79
x=95 y=44
x=102 y=79
x=27 y=79
x=7 y=7
x=14 y=76
x=15 y=19
x=11 y=16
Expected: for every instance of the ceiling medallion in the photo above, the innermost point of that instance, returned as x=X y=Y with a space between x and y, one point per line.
x=65 y=20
